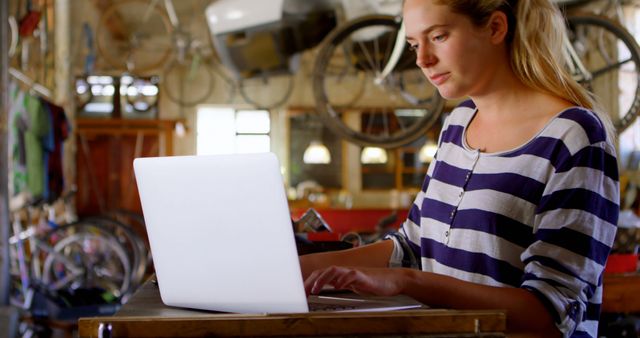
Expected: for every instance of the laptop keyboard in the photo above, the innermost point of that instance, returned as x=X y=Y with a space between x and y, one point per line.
x=320 y=307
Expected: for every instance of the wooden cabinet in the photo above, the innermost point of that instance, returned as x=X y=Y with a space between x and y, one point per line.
x=104 y=160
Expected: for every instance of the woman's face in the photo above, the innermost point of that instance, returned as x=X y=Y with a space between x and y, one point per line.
x=458 y=58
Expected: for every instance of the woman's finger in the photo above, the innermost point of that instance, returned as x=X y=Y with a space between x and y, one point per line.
x=323 y=277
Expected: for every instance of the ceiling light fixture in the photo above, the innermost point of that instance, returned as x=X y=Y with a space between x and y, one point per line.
x=316 y=153
x=373 y=155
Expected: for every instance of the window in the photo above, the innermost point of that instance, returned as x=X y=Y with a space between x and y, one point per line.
x=231 y=131
x=95 y=96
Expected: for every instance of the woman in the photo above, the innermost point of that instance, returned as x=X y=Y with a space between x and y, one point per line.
x=519 y=208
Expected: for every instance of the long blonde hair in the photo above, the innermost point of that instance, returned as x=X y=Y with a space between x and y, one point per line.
x=536 y=37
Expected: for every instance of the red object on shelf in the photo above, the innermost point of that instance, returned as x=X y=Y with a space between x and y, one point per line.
x=343 y=221
x=323 y=236
x=620 y=263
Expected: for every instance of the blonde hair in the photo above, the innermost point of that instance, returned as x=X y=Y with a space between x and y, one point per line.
x=536 y=37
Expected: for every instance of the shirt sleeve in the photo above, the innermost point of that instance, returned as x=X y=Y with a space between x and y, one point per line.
x=574 y=229
x=406 y=248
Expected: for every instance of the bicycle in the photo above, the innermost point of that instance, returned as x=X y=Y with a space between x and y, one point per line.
x=188 y=79
x=62 y=254
x=373 y=46
x=132 y=43
x=626 y=60
x=595 y=66
x=62 y=271
x=263 y=54
x=188 y=70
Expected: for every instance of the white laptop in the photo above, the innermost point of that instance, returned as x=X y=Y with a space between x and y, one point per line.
x=221 y=236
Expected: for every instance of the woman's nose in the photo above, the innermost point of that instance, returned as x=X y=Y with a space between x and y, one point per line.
x=425 y=58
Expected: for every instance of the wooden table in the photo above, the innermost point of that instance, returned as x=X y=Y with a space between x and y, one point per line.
x=621 y=293
x=145 y=316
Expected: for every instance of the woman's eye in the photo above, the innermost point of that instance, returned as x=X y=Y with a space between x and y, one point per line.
x=439 y=38
x=413 y=48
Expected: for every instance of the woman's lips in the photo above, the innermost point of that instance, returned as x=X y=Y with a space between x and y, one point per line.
x=438 y=79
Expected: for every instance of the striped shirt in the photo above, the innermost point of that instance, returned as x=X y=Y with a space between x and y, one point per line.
x=541 y=217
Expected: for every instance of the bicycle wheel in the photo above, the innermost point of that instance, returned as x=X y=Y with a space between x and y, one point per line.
x=141 y=93
x=612 y=57
x=341 y=73
x=189 y=82
x=392 y=111
x=266 y=91
x=134 y=35
x=86 y=255
x=135 y=247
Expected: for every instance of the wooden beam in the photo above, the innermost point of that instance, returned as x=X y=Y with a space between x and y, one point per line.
x=4 y=154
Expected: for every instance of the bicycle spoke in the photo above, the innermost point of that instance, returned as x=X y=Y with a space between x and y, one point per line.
x=368 y=56
x=376 y=53
x=400 y=123
x=610 y=67
x=385 y=123
x=134 y=25
x=390 y=43
x=369 y=128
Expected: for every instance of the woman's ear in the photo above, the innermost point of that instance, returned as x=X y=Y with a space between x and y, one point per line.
x=498 y=26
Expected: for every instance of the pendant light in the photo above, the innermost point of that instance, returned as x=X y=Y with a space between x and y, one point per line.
x=427 y=152
x=373 y=155
x=316 y=153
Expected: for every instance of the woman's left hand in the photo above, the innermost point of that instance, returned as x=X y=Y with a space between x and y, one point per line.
x=370 y=281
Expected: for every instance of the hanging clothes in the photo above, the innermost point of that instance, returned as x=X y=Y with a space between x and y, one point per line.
x=37 y=129
x=18 y=118
x=58 y=132
x=36 y=138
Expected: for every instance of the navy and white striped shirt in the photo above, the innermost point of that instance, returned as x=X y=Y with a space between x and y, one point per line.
x=541 y=217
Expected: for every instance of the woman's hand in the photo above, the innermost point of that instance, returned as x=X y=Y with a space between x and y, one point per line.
x=370 y=281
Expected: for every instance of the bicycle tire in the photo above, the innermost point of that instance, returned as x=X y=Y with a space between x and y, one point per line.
x=188 y=83
x=136 y=248
x=623 y=114
x=569 y=3
x=266 y=91
x=103 y=260
x=128 y=44
x=135 y=221
x=370 y=39
x=137 y=99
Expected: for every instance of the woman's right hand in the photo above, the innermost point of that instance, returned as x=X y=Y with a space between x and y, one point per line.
x=361 y=280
